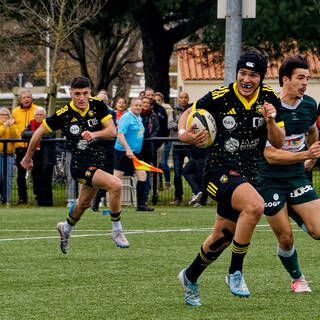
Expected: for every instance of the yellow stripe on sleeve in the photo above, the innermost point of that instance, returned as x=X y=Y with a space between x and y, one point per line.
x=46 y=125
x=109 y=116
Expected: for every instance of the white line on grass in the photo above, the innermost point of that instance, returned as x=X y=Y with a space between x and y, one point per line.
x=108 y=233
x=95 y=230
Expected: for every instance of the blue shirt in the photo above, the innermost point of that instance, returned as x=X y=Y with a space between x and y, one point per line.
x=132 y=128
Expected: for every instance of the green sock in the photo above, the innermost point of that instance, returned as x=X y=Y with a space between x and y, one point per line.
x=289 y=260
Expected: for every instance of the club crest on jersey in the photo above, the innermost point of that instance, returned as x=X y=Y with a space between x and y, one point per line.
x=91 y=113
x=74 y=129
x=276 y=197
x=88 y=173
x=259 y=109
x=223 y=178
x=229 y=122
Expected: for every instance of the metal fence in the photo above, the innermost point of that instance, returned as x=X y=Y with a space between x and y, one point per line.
x=161 y=193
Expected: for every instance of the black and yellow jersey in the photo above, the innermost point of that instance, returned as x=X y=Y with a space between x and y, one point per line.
x=241 y=128
x=73 y=121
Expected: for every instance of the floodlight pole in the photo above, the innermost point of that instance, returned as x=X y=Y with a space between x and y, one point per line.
x=233 y=39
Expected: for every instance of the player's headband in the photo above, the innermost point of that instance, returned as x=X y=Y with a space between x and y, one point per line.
x=255 y=61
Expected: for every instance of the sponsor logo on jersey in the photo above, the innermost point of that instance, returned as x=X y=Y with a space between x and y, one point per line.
x=294 y=143
x=82 y=144
x=229 y=122
x=258 y=122
x=232 y=111
x=92 y=122
x=223 y=178
x=272 y=204
x=300 y=191
x=82 y=181
x=234 y=173
x=231 y=145
x=74 y=119
x=74 y=129
x=248 y=145
x=92 y=168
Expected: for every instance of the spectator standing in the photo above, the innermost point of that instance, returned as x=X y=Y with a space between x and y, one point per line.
x=180 y=150
x=151 y=125
x=8 y=130
x=129 y=144
x=161 y=114
x=164 y=153
x=44 y=160
x=121 y=108
x=23 y=114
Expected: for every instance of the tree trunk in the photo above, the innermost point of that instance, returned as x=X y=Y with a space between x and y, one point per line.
x=156 y=56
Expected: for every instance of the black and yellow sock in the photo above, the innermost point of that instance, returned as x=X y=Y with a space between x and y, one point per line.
x=238 y=253
x=200 y=263
x=115 y=216
x=71 y=220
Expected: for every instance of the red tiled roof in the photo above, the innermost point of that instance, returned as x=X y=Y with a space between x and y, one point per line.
x=200 y=63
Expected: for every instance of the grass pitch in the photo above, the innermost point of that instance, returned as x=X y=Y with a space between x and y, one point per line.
x=97 y=280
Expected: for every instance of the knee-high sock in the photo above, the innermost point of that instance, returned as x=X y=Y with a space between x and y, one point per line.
x=289 y=260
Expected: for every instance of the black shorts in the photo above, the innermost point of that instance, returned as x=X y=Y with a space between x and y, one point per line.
x=83 y=173
x=220 y=185
x=122 y=163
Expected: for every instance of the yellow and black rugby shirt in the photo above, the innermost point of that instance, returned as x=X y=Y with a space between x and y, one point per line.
x=241 y=129
x=72 y=121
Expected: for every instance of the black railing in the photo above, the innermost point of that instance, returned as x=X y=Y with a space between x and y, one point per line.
x=155 y=141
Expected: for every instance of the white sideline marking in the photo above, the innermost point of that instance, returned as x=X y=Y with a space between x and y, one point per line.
x=108 y=233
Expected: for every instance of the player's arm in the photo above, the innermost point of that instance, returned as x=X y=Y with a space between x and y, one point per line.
x=311 y=138
x=187 y=135
x=125 y=144
x=108 y=131
x=27 y=162
x=276 y=132
x=282 y=157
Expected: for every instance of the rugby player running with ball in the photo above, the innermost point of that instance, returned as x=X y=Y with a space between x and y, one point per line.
x=246 y=114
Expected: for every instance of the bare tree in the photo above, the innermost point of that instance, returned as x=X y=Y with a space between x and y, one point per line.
x=51 y=23
x=107 y=55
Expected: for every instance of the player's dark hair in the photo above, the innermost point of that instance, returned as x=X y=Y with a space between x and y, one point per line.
x=290 y=63
x=80 y=82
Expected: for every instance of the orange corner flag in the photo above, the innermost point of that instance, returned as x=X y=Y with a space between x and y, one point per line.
x=141 y=165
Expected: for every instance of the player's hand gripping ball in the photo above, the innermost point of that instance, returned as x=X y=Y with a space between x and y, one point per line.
x=203 y=119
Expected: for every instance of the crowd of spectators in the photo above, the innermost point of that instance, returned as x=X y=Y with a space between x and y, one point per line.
x=158 y=120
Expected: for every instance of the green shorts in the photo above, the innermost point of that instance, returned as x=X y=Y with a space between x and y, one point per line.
x=277 y=192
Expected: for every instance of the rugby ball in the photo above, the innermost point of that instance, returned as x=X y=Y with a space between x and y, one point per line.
x=203 y=119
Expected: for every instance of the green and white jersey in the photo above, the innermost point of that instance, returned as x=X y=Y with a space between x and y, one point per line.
x=298 y=120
